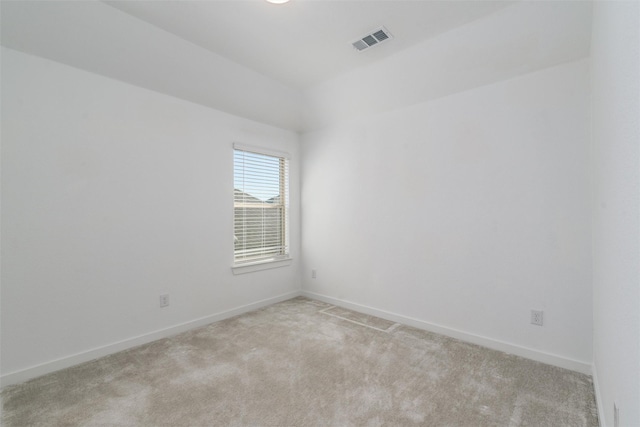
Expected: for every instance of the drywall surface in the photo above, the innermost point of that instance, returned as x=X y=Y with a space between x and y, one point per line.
x=464 y=212
x=96 y=37
x=616 y=207
x=519 y=39
x=112 y=195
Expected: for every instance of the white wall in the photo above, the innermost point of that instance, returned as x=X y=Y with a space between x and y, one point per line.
x=111 y=195
x=616 y=220
x=96 y=37
x=463 y=212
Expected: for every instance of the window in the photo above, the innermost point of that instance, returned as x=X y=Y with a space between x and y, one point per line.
x=260 y=205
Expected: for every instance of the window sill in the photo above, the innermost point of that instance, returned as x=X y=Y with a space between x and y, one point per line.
x=260 y=265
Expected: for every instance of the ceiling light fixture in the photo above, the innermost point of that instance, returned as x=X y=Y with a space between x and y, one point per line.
x=277 y=1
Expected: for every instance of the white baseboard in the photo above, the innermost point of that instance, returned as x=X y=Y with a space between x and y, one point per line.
x=539 y=356
x=596 y=388
x=86 y=356
x=75 y=359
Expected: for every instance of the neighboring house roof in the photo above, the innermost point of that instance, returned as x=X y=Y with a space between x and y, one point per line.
x=245 y=197
x=275 y=199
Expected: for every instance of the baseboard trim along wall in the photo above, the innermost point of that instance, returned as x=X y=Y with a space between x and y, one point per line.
x=65 y=362
x=86 y=356
x=539 y=356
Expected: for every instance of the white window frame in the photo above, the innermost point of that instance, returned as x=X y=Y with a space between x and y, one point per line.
x=239 y=267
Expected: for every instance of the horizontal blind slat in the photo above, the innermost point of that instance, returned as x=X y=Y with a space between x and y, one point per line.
x=260 y=205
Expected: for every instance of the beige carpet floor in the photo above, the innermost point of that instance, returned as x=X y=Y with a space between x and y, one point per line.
x=305 y=363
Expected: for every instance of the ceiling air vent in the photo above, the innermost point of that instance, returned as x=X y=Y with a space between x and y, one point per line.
x=374 y=38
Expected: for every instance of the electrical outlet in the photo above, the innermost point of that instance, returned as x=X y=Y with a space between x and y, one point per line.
x=537 y=317
x=164 y=300
x=313 y=274
x=616 y=415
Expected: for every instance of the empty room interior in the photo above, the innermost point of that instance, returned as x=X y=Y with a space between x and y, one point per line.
x=320 y=213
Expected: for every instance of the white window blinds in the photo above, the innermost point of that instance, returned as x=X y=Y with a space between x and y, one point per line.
x=261 y=206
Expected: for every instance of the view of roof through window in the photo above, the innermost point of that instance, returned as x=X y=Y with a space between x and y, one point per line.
x=263 y=181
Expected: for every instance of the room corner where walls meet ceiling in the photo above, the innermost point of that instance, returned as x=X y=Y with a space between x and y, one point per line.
x=158 y=44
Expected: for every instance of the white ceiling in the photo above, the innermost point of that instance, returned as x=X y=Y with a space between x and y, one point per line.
x=304 y=42
x=263 y=62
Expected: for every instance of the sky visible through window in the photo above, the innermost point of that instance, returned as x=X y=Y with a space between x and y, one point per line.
x=256 y=174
